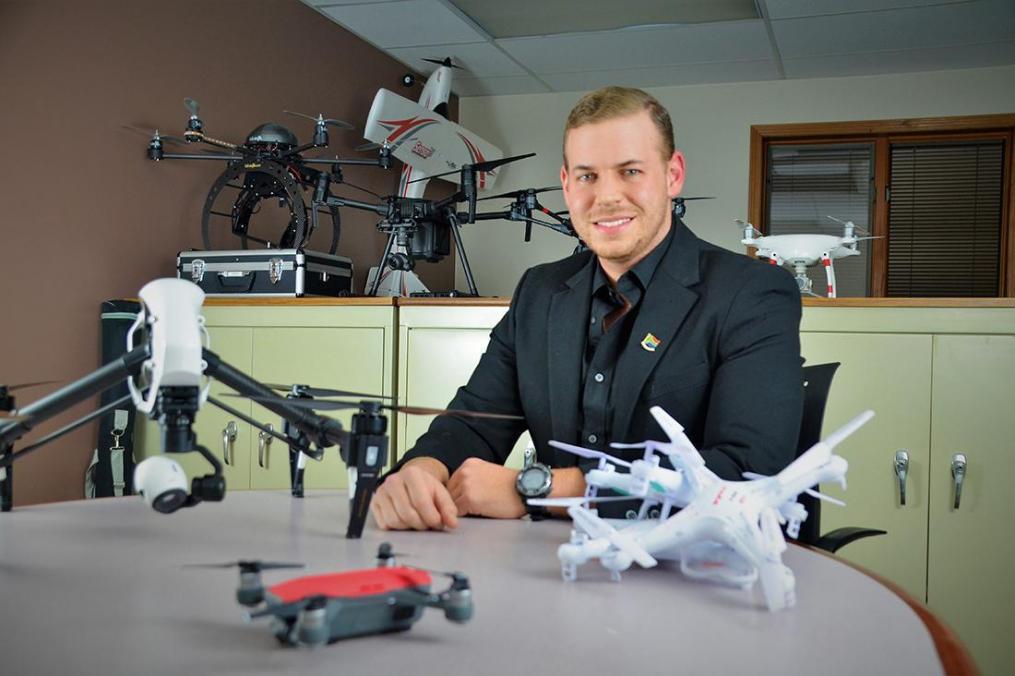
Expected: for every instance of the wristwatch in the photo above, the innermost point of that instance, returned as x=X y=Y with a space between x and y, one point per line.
x=534 y=481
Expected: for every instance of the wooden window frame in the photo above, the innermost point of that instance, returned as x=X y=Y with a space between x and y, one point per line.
x=883 y=133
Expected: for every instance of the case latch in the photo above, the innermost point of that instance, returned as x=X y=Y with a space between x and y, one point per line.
x=275 y=270
x=197 y=267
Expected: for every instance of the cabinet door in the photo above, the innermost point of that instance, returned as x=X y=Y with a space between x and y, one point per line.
x=889 y=373
x=212 y=424
x=434 y=363
x=971 y=548
x=344 y=358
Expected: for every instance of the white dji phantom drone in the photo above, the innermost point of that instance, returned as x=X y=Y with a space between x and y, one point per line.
x=725 y=531
x=803 y=251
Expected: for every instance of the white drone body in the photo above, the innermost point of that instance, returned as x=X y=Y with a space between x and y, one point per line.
x=803 y=251
x=174 y=327
x=426 y=143
x=725 y=531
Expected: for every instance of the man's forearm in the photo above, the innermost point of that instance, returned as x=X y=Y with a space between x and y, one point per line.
x=568 y=482
x=431 y=465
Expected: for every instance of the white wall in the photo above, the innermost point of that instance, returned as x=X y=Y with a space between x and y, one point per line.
x=712 y=124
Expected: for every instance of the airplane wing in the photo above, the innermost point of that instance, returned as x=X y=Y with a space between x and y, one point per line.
x=425 y=140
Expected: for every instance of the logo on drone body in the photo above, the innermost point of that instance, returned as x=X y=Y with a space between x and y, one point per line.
x=421 y=150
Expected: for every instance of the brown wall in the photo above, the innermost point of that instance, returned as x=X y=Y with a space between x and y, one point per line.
x=85 y=216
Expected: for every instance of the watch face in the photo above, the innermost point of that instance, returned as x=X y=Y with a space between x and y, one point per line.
x=532 y=481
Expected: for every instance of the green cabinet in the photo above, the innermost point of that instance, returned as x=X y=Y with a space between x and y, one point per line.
x=438 y=348
x=941 y=381
x=339 y=346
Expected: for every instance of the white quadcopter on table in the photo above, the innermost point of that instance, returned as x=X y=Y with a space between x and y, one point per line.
x=802 y=251
x=725 y=531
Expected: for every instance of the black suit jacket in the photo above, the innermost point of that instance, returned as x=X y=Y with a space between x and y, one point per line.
x=727 y=368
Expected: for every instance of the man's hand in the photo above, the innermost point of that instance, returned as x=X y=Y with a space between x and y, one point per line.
x=484 y=488
x=415 y=498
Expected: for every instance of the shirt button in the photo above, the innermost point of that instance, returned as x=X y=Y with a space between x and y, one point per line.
x=599 y=377
x=593 y=320
x=592 y=438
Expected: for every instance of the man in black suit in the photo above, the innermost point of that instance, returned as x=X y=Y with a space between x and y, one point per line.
x=651 y=315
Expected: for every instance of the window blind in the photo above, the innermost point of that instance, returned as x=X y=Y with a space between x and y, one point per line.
x=806 y=183
x=944 y=219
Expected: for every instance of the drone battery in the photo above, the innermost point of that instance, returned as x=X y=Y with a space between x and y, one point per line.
x=267 y=272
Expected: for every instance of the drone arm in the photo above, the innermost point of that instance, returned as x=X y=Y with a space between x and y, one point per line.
x=199 y=156
x=382 y=209
x=95 y=382
x=321 y=430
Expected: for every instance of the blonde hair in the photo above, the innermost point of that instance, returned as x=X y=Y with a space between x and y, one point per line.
x=607 y=103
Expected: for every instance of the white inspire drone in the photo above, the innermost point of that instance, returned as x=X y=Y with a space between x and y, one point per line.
x=725 y=531
x=803 y=251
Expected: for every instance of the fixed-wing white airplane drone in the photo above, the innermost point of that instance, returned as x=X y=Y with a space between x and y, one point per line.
x=725 y=531
x=802 y=251
x=429 y=146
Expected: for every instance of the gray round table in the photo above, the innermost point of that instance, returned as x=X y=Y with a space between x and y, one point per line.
x=100 y=587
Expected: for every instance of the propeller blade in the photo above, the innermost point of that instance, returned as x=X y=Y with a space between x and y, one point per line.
x=579 y=500
x=688 y=199
x=20 y=386
x=489 y=165
x=515 y=194
x=316 y=404
x=821 y=496
x=589 y=453
x=338 y=124
x=324 y=391
x=248 y=565
x=367 y=146
x=192 y=105
x=753 y=476
x=443 y=62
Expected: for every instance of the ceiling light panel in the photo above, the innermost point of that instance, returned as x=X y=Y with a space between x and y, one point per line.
x=409 y=23
x=643 y=47
x=789 y=9
x=520 y=18
x=918 y=28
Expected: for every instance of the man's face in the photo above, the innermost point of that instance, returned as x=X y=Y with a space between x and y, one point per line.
x=618 y=188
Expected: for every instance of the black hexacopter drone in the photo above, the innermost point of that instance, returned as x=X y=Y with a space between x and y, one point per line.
x=317 y=609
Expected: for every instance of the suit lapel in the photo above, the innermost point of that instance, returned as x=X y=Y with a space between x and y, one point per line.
x=663 y=310
x=568 y=328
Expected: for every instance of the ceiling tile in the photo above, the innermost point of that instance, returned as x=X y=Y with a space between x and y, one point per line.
x=902 y=61
x=925 y=27
x=788 y=9
x=408 y=23
x=661 y=76
x=480 y=59
x=632 y=48
x=496 y=86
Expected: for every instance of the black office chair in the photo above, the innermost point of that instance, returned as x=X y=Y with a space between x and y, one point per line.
x=817 y=381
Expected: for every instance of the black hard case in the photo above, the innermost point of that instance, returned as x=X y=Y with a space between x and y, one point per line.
x=267 y=272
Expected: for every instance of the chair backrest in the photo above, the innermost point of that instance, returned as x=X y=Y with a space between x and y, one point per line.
x=817 y=381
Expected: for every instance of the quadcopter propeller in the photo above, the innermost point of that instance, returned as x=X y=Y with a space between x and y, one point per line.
x=443 y=62
x=384 y=552
x=515 y=194
x=577 y=500
x=589 y=453
x=320 y=119
x=154 y=135
x=193 y=106
x=323 y=391
x=754 y=476
x=688 y=199
x=248 y=566
x=489 y=165
x=19 y=386
x=412 y=410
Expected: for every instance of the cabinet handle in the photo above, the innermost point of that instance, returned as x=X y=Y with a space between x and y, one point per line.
x=902 y=472
x=958 y=476
x=264 y=446
x=229 y=434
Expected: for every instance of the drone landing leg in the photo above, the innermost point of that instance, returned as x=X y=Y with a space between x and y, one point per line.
x=826 y=261
x=470 y=280
x=382 y=266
